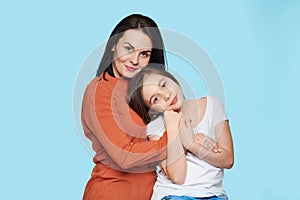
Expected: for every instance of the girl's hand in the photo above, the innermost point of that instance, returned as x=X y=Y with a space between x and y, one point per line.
x=207 y=142
x=186 y=133
x=172 y=120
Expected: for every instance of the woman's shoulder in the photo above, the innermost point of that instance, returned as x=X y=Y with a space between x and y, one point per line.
x=92 y=85
x=98 y=87
x=106 y=83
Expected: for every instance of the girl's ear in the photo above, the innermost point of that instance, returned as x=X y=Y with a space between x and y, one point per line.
x=153 y=114
x=113 y=48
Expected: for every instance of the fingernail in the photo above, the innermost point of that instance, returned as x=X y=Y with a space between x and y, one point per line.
x=220 y=150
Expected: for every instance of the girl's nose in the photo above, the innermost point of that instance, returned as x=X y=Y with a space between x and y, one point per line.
x=166 y=94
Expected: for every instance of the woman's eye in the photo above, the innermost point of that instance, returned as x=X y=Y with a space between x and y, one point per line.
x=164 y=84
x=128 y=48
x=145 y=54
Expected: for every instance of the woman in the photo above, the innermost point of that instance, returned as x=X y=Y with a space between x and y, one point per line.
x=154 y=91
x=124 y=159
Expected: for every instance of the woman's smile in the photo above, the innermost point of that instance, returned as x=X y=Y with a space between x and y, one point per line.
x=130 y=69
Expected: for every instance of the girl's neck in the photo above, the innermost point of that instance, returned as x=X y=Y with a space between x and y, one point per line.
x=182 y=106
x=194 y=110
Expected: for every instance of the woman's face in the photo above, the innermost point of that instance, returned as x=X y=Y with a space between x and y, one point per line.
x=131 y=53
x=161 y=93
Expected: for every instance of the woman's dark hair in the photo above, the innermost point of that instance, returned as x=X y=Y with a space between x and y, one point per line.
x=135 y=88
x=134 y=21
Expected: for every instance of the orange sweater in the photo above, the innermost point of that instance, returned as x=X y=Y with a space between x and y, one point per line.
x=124 y=159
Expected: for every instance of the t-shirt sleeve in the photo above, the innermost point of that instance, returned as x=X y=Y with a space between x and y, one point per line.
x=219 y=113
x=156 y=127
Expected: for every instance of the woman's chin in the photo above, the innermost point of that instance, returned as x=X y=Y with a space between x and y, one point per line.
x=130 y=74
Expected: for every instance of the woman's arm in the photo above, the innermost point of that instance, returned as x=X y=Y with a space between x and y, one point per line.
x=100 y=114
x=225 y=157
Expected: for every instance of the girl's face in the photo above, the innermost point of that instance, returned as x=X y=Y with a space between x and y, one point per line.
x=161 y=93
x=131 y=53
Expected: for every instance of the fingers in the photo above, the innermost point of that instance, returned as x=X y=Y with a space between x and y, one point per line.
x=172 y=114
x=207 y=142
x=186 y=133
x=172 y=111
x=172 y=118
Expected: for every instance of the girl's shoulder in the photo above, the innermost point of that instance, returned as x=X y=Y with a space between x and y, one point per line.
x=202 y=100
x=209 y=100
x=208 y=104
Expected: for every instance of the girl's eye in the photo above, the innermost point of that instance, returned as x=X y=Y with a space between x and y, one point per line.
x=164 y=84
x=155 y=100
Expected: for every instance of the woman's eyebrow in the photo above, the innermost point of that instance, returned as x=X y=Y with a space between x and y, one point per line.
x=129 y=44
x=146 y=51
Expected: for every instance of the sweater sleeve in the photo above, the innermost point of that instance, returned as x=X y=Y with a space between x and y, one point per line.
x=104 y=114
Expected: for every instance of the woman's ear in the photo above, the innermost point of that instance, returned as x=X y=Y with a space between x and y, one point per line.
x=113 y=48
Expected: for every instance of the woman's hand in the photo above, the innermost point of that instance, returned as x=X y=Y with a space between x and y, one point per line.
x=207 y=142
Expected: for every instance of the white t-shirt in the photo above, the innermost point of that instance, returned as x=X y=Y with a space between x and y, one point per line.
x=202 y=179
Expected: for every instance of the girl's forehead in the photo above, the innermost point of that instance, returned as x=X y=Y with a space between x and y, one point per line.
x=153 y=78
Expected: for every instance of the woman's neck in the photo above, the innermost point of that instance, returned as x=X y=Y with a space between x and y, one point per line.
x=110 y=71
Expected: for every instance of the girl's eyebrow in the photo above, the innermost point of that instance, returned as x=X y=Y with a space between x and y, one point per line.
x=159 y=84
x=161 y=80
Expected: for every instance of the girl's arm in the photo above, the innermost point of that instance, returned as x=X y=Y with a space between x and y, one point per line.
x=175 y=164
x=224 y=158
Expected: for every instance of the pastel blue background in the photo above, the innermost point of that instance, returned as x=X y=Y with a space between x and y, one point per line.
x=254 y=44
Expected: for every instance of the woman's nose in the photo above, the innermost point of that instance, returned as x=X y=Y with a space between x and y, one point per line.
x=134 y=58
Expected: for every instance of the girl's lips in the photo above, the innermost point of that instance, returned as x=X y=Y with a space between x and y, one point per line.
x=174 y=100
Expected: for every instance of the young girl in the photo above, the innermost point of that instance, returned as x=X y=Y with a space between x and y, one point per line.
x=154 y=91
